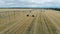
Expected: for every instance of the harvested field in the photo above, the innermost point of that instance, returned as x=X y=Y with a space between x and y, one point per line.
x=29 y=21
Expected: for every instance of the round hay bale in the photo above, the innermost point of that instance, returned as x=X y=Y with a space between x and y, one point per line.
x=27 y=15
x=33 y=16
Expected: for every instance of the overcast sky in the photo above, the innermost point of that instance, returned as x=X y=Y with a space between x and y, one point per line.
x=30 y=3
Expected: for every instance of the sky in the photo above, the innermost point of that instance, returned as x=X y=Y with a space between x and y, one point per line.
x=30 y=3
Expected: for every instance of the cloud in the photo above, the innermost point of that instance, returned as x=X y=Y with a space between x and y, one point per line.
x=29 y=3
x=1 y=2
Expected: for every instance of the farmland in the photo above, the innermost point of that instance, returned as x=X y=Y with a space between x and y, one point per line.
x=29 y=21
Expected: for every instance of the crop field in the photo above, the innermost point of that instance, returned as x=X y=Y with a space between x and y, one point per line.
x=29 y=21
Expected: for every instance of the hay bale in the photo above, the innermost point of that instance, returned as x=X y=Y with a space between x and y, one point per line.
x=27 y=15
x=33 y=16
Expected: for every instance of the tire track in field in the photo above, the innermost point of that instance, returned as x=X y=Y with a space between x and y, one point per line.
x=14 y=30
x=23 y=27
x=30 y=28
x=52 y=19
x=51 y=28
x=43 y=28
x=8 y=28
x=23 y=31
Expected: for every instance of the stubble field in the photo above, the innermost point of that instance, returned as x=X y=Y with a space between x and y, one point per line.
x=29 y=21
